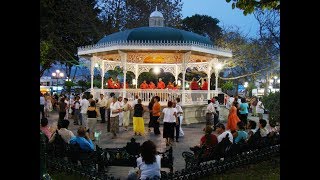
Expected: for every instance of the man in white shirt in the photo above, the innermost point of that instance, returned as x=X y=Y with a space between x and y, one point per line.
x=220 y=128
x=115 y=109
x=216 y=105
x=84 y=104
x=210 y=113
x=109 y=101
x=230 y=101
x=179 y=131
x=42 y=102
x=63 y=132
x=102 y=102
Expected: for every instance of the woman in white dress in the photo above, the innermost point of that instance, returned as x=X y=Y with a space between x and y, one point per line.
x=126 y=113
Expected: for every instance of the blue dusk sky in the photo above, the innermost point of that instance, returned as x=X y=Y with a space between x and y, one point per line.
x=223 y=11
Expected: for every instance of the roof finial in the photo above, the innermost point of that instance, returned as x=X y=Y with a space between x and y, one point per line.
x=156 y=8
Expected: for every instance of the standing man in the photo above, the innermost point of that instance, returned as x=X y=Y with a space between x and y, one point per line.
x=115 y=109
x=155 y=115
x=179 y=131
x=84 y=104
x=108 y=110
x=121 y=113
x=194 y=86
x=42 y=102
x=161 y=84
x=102 y=102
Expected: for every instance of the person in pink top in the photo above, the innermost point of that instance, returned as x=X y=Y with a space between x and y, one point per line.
x=45 y=128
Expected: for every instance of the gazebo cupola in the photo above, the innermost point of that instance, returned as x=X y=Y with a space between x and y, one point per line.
x=156 y=19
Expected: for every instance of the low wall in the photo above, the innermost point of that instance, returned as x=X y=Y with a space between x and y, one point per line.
x=192 y=114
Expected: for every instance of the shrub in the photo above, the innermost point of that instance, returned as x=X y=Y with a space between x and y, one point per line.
x=272 y=104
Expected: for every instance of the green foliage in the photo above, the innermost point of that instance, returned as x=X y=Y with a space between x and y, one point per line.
x=272 y=104
x=97 y=83
x=228 y=85
x=84 y=85
x=67 y=25
x=204 y=25
x=249 y=6
x=138 y=12
x=118 y=15
x=148 y=76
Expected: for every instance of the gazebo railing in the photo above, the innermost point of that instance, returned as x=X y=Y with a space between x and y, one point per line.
x=152 y=43
x=191 y=96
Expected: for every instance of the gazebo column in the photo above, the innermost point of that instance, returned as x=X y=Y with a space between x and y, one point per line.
x=136 y=73
x=92 y=73
x=185 y=60
x=176 y=73
x=209 y=78
x=102 y=75
x=124 y=65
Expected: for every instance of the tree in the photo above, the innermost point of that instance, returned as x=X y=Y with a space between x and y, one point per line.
x=252 y=57
x=113 y=14
x=204 y=25
x=272 y=104
x=228 y=85
x=249 y=6
x=83 y=84
x=66 y=25
x=138 y=12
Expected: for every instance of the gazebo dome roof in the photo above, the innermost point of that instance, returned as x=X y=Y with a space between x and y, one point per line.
x=156 y=14
x=155 y=34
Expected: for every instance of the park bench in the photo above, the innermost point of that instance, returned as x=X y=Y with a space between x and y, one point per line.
x=127 y=156
x=226 y=150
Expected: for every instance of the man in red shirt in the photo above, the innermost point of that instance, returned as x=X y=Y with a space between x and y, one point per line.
x=161 y=84
x=204 y=85
x=151 y=85
x=110 y=83
x=194 y=86
x=144 y=85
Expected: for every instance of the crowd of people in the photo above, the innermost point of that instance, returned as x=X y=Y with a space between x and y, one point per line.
x=116 y=112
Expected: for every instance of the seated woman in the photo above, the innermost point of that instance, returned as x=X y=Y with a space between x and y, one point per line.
x=149 y=163
x=240 y=133
x=83 y=140
x=208 y=140
x=45 y=128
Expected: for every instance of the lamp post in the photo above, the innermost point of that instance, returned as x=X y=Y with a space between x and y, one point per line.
x=217 y=67
x=57 y=75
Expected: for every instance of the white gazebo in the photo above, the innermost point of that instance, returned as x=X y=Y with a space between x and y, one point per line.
x=140 y=49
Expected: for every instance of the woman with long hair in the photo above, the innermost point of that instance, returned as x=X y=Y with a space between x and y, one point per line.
x=150 y=110
x=149 y=163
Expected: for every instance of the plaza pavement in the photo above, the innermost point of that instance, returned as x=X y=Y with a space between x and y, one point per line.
x=193 y=133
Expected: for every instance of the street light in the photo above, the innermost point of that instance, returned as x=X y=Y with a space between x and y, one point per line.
x=57 y=75
x=156 y=70
x=245 y=84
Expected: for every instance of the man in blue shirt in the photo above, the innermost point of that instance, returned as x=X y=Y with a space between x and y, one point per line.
x=83 y=140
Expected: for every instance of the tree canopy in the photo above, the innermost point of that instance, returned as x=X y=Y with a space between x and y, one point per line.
x=64 y=26
x=249 y=6
x=204 y=25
